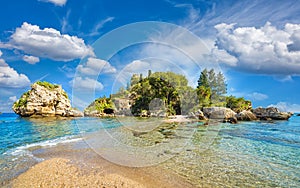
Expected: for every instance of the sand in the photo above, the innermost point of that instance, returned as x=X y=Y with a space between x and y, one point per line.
x=59 y=172
x=76 y=165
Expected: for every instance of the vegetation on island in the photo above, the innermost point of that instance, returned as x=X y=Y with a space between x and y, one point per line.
x=171 y=92
x=100 y=105
x=47 y=85
x=22 y=101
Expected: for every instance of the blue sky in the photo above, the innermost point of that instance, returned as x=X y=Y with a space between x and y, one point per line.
x=88 y=47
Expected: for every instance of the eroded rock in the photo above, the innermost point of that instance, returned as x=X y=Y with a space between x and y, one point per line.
x=246 y=115
x=272 y=113
x=45 y=100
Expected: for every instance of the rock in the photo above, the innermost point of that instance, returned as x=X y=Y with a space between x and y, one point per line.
x=298 y=114
x=197 y=115
x=192 y=115
x=220 y=113
x=246 y=115
x=74 y=113
x=45 y=100
x=200 y=115
x=232 y=120
x=271 y=113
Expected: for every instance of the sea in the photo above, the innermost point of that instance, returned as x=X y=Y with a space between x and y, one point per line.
x=247 y=154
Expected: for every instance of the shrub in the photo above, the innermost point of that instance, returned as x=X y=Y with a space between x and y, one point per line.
x=238 y=104
x=47 y=85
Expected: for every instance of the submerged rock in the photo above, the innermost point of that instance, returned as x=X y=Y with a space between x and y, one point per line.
x=271 y=113
x=246 y=115
x=45 y=100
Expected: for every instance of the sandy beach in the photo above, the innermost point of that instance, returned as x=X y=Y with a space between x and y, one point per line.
x=60 y=172
x=75 y=165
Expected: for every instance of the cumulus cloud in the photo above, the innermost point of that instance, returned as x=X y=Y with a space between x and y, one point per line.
x=86 y=84
x=286 y=107
x=10 y=78
x=266 y=50
x=31 y=59
x=95 y=66
x=257 y=96
x=48 y=43
x=56 y=2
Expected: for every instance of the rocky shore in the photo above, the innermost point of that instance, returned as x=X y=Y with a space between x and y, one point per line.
x=227 y=115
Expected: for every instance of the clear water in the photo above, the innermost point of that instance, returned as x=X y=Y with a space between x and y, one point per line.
x=249 y=154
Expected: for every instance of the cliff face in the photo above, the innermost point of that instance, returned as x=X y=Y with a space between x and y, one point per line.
x=45 y=99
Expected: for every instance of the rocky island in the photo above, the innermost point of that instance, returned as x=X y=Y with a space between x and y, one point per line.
x=45 y=100
x=167 y=94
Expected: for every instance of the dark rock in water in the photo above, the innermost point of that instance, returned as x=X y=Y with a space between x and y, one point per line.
x=246 y=115
x=200 y=115
x=233 y=120
x=45 y=100
x=298 y=114
x=271 y=113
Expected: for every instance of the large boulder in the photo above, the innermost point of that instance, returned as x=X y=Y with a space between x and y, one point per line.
x=246 y=115
x=45 y=100
x=220 y=113
x=272 y=113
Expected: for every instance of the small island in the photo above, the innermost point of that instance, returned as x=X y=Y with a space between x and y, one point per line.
x=167 y=94
x=45 y=100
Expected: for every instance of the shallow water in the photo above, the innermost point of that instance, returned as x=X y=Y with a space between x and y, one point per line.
x=249 y=154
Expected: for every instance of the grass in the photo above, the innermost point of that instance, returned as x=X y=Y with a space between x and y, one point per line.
x=47 y=85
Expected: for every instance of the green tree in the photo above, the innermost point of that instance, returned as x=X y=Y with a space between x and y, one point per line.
x=238 y=104
x=221 y=85
x=151 y=88
x=100 y=105
x=203 y=79
x=211 y=88
x=204 y=94
x=134 y=79
x=176 y=80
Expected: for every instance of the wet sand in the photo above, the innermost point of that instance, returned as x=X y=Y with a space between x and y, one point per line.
x=76 y=165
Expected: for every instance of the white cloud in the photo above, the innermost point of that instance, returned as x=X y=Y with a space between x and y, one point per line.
x=48 y=42
x=266 y=50
x=67 y=70
x=12 y=98
x=95 y=66
x=56 y=2
x=10 y=78
x=86 y=84
x=99 y=25
x=286 y=107
x=257 y=96
x=31 y=59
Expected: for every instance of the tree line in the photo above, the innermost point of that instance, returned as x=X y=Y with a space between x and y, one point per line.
x=177 y=96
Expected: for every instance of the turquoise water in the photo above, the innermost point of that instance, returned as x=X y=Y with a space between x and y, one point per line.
x=249 y=154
